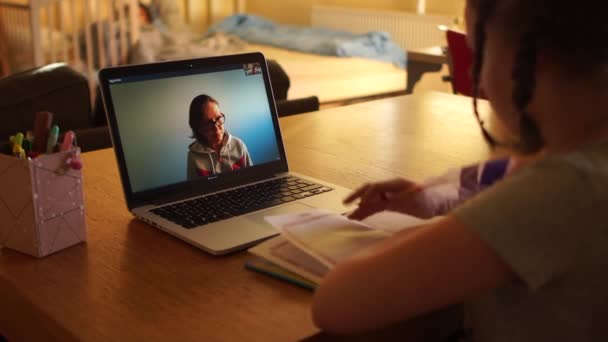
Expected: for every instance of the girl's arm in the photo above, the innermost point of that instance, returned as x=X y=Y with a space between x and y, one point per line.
x=411 y=274
x=444 y=193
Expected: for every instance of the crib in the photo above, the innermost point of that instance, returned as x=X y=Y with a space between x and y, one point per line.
x=86 y=34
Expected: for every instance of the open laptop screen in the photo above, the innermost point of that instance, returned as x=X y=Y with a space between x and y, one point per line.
x=170 y=123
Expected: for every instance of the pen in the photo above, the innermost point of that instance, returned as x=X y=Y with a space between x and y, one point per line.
x=42 y=124
x=17 y=149
x=68 y=140
x=52 y=141
x=28 y=142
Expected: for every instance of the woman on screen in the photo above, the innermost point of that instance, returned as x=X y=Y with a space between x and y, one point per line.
x=214 y=151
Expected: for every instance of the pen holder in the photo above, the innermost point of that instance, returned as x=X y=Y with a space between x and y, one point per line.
x=41 y=203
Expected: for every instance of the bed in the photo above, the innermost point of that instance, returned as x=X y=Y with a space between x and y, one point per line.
x=331 y=79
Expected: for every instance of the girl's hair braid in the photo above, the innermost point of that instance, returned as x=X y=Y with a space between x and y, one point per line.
x=524 y=84
x=484 y=12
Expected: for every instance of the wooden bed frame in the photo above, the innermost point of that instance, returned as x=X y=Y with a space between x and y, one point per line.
x=46 y=31
x=38 y=32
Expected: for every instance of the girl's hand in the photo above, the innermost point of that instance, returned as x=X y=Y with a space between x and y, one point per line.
x=396 y=194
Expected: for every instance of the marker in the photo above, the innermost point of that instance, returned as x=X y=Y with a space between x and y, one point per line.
x=28 y=142
x=42 y=124
x=17 y=149
x=76 y=163
x=19 y=152
x=68 y=140
x=17 y=139
x=27 y=146
x=53 y=136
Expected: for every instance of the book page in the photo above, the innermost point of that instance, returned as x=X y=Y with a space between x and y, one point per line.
x=392 y=221
x=331 y=238
x=292 y=254
x=282 y=253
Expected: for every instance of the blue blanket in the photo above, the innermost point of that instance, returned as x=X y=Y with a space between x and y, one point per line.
x=373 y=45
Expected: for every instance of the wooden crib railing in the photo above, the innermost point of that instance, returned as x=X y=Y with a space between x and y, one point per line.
x=86 y=34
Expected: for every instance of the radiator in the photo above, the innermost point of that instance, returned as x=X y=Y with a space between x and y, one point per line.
x=409 y=30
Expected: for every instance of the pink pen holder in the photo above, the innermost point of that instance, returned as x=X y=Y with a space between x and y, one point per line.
x=41 y=203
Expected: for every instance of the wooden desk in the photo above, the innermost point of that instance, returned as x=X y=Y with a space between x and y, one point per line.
x=131 y=282
x=420 y=61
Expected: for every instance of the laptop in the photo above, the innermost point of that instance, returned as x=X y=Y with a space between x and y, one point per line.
x=200 y=153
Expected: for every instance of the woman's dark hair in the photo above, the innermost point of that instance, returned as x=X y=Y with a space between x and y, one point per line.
x=196 y=115
x=575 y=34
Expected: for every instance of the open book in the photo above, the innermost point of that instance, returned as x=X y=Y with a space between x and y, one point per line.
x=312 y=242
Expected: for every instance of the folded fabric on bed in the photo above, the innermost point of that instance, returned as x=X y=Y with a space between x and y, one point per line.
x=373 y=45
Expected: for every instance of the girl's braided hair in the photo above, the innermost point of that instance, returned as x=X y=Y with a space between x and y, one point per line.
x=575 y=34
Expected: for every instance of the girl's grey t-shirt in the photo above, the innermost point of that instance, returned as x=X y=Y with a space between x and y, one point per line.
x=549 y=223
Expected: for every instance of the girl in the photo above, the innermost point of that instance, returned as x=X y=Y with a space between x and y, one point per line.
x=527 y=255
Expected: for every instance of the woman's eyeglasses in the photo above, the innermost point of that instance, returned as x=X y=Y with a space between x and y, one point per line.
x=210 y=125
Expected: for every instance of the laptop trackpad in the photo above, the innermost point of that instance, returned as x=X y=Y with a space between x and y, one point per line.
x=285 y=209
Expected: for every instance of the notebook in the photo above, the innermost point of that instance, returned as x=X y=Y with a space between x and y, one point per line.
x=200 y=153
x=313 y=242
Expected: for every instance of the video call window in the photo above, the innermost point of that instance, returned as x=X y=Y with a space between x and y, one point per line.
x=184 y=127
x=252 y=69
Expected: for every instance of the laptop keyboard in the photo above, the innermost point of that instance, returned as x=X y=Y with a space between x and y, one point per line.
x=203 y=210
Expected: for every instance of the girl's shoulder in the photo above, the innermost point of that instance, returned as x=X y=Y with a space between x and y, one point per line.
x=587 y=164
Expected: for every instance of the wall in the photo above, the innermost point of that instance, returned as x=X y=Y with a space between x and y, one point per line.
x=297 y=12
x=454 y=7
x=198 y=14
